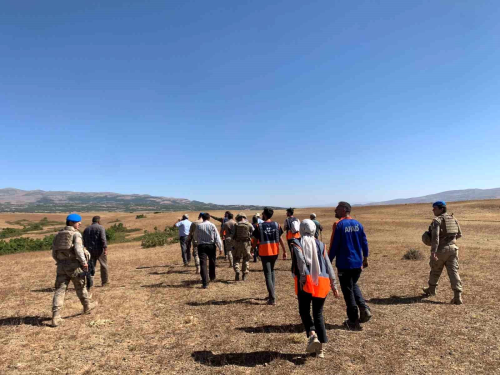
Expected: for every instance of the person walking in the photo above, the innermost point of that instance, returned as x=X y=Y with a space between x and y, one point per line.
x=241 y=235
x=255 y=249
x=442 y=237
x=183 y=225
x=192 y=240
x=319 y=227
x=314 y=277
x=227 y=228
x=68 y=252
x=268 y=236
x=227 y=253
x=94 y=240
x=350 y=246
x=292 y=228
x=208 y=238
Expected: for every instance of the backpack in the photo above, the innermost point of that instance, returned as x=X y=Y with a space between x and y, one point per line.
x=293 y=225
x=63 y=240
x=242 y=232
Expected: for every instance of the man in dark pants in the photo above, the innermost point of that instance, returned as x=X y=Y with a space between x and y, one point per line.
x=350 y=246
x=268 y=236
x=183 y=225
x=207 y=237
x=94 y=239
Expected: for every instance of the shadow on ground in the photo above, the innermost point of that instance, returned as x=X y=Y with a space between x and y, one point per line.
x=184 y=284
x=397 y=300
x=247 y=301
x=148 y=267
x=171 y=271
x=251 y=359
x=24 y=320
x=284 y=328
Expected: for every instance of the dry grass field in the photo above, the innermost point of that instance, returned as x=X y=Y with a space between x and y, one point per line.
x=155 y=318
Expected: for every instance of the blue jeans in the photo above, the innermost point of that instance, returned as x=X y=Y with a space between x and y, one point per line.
x=352 y=294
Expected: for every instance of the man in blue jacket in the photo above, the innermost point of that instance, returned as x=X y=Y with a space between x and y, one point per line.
x=350 y=246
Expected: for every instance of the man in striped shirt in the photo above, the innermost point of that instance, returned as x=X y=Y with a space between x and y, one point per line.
x=207 y=236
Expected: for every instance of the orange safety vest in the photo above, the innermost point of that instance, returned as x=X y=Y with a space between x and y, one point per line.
x=323 y=288
x=289 y=234
x=269 y=238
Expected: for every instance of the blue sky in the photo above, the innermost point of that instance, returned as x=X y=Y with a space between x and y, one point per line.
x=253 y=102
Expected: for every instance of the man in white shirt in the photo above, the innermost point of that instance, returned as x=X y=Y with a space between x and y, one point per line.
x=207 y=236
x=183 y=225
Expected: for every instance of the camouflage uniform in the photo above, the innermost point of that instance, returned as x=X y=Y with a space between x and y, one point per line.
x=68 y=252
x=227 y=228
x=444 y=231
x=241 y=234
x=192 y=238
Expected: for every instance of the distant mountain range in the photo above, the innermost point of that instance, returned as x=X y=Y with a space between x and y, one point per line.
x=447 y=196
x=16 y=200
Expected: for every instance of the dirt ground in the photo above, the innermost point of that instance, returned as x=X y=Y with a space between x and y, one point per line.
x=155 y=318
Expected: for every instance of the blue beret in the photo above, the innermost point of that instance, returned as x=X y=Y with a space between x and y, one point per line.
x=74 y=217
x=439 y=203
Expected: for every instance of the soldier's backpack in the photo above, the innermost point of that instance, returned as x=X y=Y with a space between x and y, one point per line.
x=63 y=243
x=293 y=225
x=242 y=232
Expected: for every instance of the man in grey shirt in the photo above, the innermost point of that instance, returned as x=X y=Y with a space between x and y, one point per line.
x=94 y=239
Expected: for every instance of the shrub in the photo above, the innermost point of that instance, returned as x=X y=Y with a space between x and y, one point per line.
x=413 y=254
x=168 y=236
x=19 y=245
x=141 y=216
x=118 y=233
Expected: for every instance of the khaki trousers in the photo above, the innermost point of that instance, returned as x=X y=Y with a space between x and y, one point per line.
x=67 y=272
x=241 y=251
x=448 y=259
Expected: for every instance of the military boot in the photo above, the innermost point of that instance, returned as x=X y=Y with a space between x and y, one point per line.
x=89 y=305
x=56 y=319
x=244 y=276
x=430 y=291
x=457 y=299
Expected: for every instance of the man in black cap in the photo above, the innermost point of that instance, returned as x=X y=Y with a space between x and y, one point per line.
x=94 y=239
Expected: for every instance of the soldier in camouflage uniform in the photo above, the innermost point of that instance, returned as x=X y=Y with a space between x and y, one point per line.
x=69 y=254
x=241 y=235
x=442 y=235
x=192 y=238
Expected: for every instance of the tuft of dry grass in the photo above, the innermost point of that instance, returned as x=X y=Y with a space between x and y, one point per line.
x=155 y=318
x=413 y=254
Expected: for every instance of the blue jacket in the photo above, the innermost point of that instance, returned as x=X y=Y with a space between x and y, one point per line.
x=349 y=244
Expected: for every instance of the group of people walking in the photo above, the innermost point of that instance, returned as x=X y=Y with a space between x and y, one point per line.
x=311 y=259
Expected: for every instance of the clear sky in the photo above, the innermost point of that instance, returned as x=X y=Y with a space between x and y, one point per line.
x=290 y=103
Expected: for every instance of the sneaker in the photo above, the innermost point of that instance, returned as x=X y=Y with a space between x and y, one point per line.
x=237 y=276
x=313 y=344
x=320 y=353
x=205 y=286
x=364 y=314
x=350 y=326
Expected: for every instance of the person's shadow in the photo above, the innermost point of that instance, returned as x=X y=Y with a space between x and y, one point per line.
x=251 y=359
x=284 y=328
x=406 y=300
x=24 y=320
x=246 y=301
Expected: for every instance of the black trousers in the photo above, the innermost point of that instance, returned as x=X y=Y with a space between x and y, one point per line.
x=318 y=325
x=352 y=294
x=185 y=249
x=268 y=267
x=208 y=255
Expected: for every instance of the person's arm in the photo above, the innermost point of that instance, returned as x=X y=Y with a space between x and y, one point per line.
x=79 y=253
x=334 y=228
x=459 y=234
x=177 y=224
x=255 y=236
x=335 y=244
x=104 y=242
x=435 y=227
x=281 y=242
x=218 y=241
x=219 y=219
x=321 y=228
x=54 y=249
x=301 y=263
x=364 y=246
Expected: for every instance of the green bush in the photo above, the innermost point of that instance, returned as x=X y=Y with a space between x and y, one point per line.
x=157 y=238
x=117 y=233
x=141 y=216
x=19 y=245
